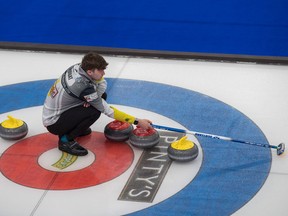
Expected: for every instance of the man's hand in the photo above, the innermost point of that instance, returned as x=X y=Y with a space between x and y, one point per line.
x=86 y=104
x=144 y=123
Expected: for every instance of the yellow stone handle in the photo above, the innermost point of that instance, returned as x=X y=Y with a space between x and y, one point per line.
x=182 y=144
x=12 y=122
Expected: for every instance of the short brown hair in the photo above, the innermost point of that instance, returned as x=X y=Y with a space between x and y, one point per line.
x=93 y=60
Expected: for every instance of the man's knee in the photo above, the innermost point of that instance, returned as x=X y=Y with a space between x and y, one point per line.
x=95 y=114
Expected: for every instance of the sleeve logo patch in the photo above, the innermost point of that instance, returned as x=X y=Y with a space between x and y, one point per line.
x=91 y=97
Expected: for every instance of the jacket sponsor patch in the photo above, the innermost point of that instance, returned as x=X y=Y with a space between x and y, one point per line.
x=91 y=97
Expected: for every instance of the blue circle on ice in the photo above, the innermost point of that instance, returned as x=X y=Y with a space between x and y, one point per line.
x=231 y=173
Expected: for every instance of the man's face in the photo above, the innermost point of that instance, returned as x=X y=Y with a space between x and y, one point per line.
x=96 y=74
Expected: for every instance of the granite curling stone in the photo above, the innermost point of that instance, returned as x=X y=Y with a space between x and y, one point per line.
x=183 y=150
x=142 y=138
x=13 y=129
x=118 y=131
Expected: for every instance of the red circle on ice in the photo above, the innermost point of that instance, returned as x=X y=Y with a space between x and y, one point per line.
x=19 y=163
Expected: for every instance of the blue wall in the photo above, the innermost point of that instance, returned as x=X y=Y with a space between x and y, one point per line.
x=246 y=27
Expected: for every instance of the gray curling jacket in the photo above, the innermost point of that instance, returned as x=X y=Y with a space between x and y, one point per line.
x=72 y=89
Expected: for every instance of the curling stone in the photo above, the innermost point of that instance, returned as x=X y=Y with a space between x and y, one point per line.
x=13 y=129
x=118 y=131
x=183 y=150
x=144 y=138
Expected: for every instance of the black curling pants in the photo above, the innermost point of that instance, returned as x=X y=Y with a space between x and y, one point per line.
x=74 y=121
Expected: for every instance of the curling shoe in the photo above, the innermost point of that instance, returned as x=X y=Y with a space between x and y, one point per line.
x=72 y=147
